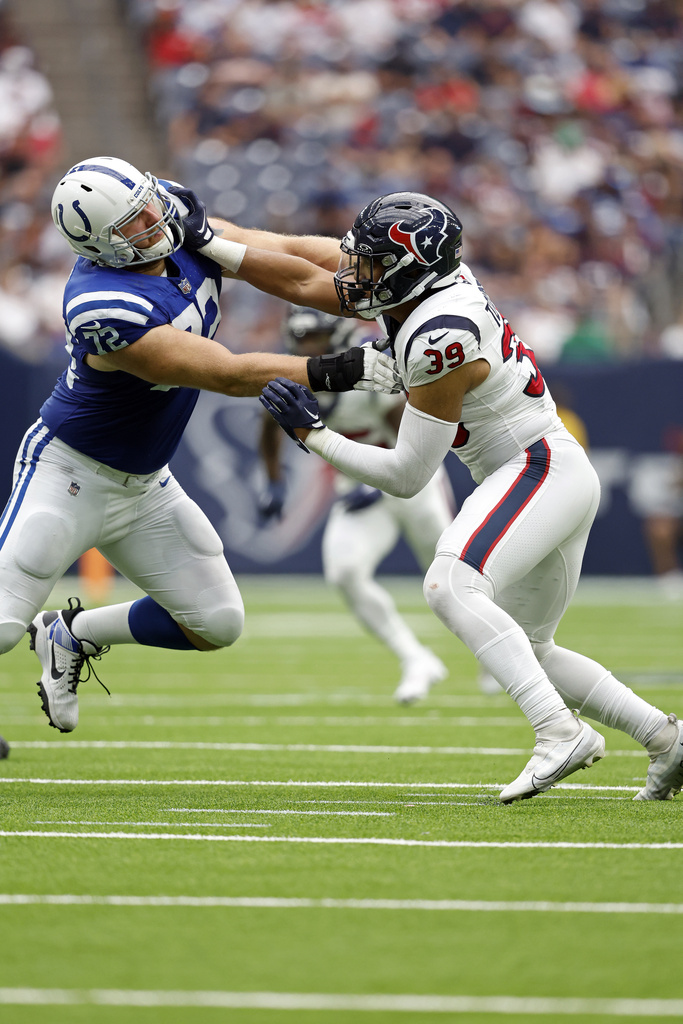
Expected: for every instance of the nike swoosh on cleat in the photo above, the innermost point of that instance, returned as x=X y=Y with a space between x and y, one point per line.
x=53 y=667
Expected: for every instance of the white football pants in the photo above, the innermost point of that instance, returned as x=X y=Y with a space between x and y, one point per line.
x=504 y=574
x=64 y=503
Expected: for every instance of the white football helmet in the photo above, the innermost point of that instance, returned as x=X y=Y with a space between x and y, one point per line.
x=96 y=198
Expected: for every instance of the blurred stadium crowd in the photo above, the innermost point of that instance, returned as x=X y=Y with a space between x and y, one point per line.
x=553 y=127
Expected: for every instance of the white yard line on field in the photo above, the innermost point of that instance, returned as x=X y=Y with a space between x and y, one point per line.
x=341 y=840
x=154 y=824
x=242 y=810
x=303 y=783
x=288 y=721
x=325 y=903
x=301 y=748
x=385 y=1003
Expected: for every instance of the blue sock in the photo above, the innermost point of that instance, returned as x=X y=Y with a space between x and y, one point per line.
x=152 y=626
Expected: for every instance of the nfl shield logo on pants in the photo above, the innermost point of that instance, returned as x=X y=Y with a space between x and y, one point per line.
x=74 y=488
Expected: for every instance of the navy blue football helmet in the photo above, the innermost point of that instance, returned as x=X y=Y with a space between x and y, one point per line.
x=416 y=242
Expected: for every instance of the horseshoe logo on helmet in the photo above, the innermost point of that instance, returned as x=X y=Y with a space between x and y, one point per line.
x=425 y=242
x=86 y=223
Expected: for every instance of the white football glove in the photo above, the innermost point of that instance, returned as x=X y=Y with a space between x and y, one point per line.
x=380 y=372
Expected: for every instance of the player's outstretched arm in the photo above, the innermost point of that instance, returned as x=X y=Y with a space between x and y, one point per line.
x=321 y=250
x=426 y=433
x=176 y=358
x=421 y=446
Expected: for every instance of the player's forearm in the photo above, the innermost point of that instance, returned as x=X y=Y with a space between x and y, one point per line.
x=321 y=250
x=195 y=362
x=246 y=375
x=403 y=471
x=278 y=273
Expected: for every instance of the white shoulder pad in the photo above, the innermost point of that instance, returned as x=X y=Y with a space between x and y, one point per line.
x=437 y=346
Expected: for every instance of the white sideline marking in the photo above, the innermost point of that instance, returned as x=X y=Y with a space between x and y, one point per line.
x=309 y=748
x=304 y=783
x=289 y=903
x=340 y=1001
x=344 y=840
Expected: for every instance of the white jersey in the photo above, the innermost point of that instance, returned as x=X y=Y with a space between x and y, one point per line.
x=512 y=408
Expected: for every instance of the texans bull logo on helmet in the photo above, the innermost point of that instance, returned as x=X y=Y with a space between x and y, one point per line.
x=425 y=242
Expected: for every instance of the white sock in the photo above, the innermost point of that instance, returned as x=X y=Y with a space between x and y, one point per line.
x=104 y=626
x=511 y=660
x=620 y=708
x=590 y=687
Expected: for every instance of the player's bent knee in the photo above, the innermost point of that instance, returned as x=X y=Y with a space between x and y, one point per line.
x=437 y=586
x=223 y=626
x=543 y=649
x=453 y=589
x=346 y=577
x=42 y=543
x=10 y=635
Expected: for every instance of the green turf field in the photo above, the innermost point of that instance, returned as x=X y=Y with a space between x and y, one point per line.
x=260 y=835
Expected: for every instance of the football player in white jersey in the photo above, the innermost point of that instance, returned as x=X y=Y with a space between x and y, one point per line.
x=140 y=309
x=365 y=524
x=507 y=567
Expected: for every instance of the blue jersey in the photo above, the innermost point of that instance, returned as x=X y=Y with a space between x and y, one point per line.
x=115 y=417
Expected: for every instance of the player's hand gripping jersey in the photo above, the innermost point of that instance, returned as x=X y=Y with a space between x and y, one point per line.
x=512 y=408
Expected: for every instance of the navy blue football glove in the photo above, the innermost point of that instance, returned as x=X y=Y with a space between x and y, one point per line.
x=361 y=497
x=271 y=504
x=291 y=405
x=198 y=231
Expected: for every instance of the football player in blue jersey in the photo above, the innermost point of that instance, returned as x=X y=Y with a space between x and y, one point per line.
x=140 y=309
x=507 y=567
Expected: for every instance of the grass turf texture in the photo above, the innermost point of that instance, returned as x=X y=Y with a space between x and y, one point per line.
x=305 y=696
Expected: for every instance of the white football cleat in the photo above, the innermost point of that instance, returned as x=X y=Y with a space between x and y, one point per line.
x=419 y=675
x=665 y=773
x=62 y=657
x=554 y=761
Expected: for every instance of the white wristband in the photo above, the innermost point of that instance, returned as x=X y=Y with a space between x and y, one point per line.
x=228 y=254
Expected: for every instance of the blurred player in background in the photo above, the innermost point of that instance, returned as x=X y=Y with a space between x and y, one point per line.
x=140 y=309
x=657 y=495
x=365 y=524
x=4 y=748
x=508 y=566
